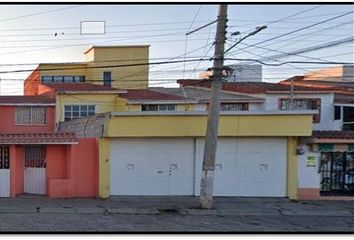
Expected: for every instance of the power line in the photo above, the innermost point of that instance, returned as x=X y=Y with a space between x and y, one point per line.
x=303 y=28
x=283 y=54
x=293 y=15
x=38 y=13
x=310 y=34
x=315 y=48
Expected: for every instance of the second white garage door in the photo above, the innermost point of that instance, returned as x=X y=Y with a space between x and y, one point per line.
x=152 y=166
x=252 y=167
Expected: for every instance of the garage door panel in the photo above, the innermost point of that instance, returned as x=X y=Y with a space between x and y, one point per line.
x=139 y=188
x=262 y=167
x=262 y=189
x=263 y=145
x=148 y=172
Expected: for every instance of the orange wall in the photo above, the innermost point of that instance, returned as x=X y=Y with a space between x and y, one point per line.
x=57 y=161
x=73 y=172
x=46 y=90
x=31 y=83
x=16 y=170
x=7 y=122
x=84 y=168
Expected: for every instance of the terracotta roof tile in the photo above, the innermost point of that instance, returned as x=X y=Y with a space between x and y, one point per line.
x=38 y=138
x=345 y=134
x=140 y=94
x=40 y=99
x=317 y=84
x=80 y=87
x=252 y=87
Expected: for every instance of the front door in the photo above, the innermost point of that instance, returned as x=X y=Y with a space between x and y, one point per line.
x=35 y=170
x=4 y=171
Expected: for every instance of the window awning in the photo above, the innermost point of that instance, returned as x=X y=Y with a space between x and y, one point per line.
x=38 y=138
x=331 y=147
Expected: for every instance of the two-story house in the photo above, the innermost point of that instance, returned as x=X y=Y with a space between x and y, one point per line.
x=34 y=159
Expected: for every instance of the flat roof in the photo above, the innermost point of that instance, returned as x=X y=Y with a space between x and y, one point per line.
x=117 y=46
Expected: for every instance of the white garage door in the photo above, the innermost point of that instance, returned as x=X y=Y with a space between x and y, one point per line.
x=247 y=167
x=154 y=166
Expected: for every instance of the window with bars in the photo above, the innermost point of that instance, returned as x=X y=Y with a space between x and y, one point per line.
x=77 y=111
x=303 y=104
x=33 y=115
x=234 y=107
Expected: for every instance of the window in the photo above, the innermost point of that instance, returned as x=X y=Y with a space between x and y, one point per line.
x=46 y=79
x=107 y=79
x=158 y=107
x=68 y=78
x=62 y=79
x=303 y=104
x=31 y=115
x=337 y=112
x=77 y=111
x=57 y=79
x=234 y=107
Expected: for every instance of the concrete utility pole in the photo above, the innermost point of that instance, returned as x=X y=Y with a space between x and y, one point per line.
x=207 y=181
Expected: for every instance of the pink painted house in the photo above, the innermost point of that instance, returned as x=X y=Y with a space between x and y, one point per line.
x=34 y=159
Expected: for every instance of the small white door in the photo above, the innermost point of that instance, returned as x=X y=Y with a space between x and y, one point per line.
x=35 y=170
x=4 y=171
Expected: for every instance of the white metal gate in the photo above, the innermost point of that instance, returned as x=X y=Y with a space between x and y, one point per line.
x=4 y=171
x=35 y=170
x=156 y=166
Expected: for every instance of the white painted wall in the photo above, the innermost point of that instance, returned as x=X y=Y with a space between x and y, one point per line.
x=308 y=177
x=256 y=106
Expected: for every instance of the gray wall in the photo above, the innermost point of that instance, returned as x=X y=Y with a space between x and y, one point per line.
x=92 y=126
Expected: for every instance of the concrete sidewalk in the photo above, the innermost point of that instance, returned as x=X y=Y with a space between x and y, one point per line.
x=164 y=205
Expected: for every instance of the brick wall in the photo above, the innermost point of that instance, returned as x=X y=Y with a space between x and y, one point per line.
x=86 y=127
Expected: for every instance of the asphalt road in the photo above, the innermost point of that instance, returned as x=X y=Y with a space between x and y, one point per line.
x=172 y=223
x=174 y=214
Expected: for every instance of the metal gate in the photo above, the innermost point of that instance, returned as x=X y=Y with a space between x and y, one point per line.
x=35 y=170
x=337 y=173
x=4 y=171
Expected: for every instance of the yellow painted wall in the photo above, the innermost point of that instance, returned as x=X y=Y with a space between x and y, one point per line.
x=190 y=126
x=133 y=77
x=104 y=164
x=292 y=168
x=65 y=69
x=105 y=102
x=185 y=107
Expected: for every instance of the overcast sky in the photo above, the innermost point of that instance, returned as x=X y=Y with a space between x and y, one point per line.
x=51 y=33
